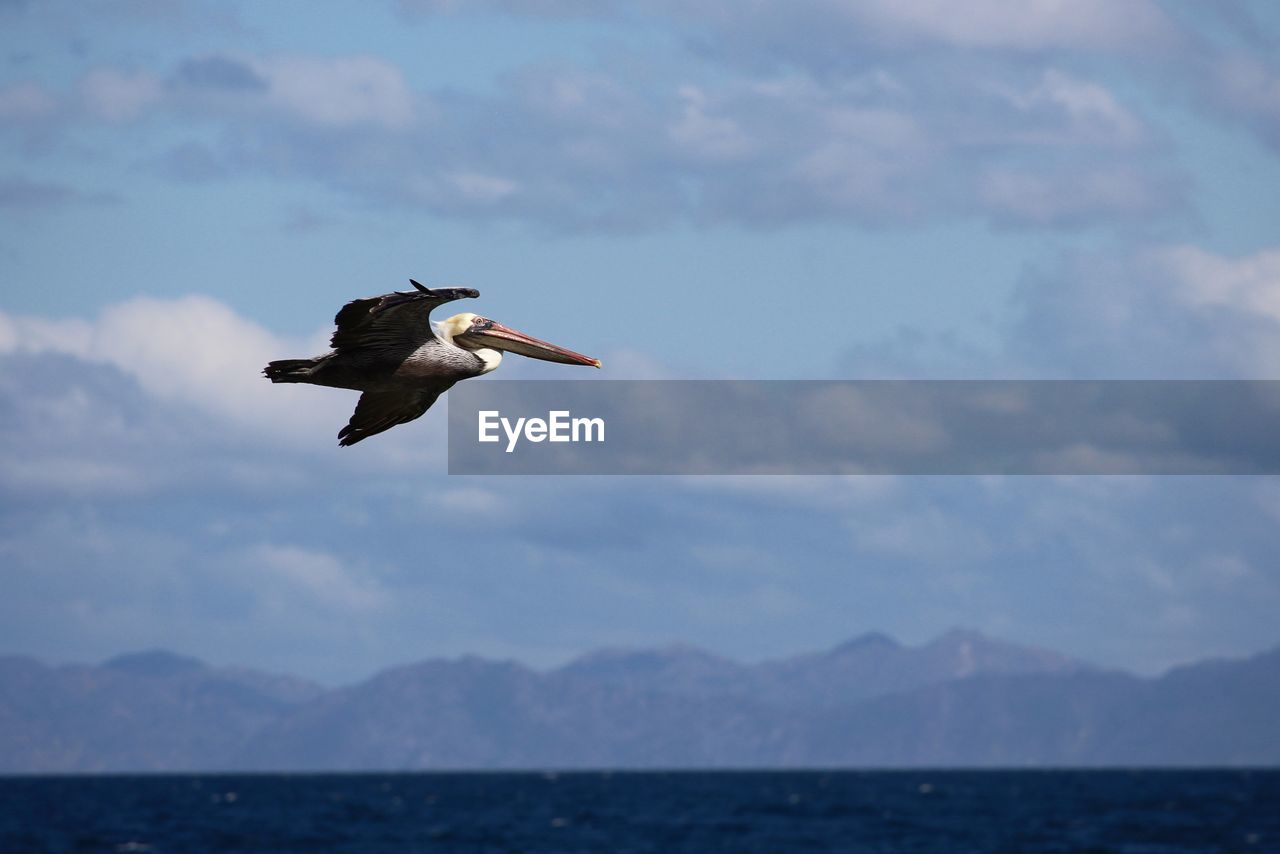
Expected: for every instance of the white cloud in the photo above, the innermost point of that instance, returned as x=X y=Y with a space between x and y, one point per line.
x=611 y=149
x=327 y=93
x=929 y=534
x=73 y=475
x=314 y=575
x=479 y=188
x=192 y=351
x=26 y=101
x=1076 y=112
x=1151 y=312
x=1172 y=312
x=1247 y=88
x=839 y=494
x=346 y=91
x=461 y=502
x=1028 y=25
x=698 y=134
x=1071 y=197
x=37 y=335
x=824 y=36
x=1250 y=285
x=538 y=8
x=1233 y=301
x=116 y=95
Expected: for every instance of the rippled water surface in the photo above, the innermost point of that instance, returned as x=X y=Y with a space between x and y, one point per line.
x=755 y=811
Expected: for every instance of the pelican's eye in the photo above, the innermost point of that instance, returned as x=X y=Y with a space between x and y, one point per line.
x=480 y=324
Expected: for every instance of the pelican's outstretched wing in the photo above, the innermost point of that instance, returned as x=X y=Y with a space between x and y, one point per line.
x=381 y=410
x=398 y=319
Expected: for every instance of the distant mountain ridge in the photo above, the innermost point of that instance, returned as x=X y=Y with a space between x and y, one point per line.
x=866 y=666
x=152 y=711
x=962 y=700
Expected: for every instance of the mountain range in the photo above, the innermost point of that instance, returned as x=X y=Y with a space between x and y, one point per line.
x=961 y=700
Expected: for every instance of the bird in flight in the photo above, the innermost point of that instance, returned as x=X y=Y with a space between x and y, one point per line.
x=389 y=348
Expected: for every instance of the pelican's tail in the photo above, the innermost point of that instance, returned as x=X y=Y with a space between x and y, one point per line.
x=289 y=370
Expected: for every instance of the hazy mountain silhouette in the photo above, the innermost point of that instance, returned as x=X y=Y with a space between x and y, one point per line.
x=1212 y=713
x=961 y=700
x=152 y=711
x=866 y=666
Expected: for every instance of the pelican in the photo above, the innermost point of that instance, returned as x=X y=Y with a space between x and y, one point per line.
x=389 y=348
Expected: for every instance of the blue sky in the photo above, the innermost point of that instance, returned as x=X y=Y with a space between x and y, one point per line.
x=815 y=189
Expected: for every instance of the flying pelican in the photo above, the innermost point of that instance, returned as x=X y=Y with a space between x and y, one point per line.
x=389 y=348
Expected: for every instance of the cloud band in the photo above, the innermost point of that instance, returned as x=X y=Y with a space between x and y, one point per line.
x=872 y=427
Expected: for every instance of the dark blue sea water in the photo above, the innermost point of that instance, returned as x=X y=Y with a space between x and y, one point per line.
x=766 y=811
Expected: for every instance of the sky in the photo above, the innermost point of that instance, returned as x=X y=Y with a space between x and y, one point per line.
x=814 y=189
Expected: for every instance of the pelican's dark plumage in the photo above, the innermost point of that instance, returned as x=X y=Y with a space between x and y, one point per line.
x=388 y=348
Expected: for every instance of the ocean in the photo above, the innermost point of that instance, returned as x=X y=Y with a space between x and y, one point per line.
x=1138 y=811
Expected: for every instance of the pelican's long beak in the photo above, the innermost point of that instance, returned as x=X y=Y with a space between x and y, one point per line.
x=500 y=337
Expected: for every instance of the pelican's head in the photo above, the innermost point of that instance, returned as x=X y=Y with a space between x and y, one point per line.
x=475 y=333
